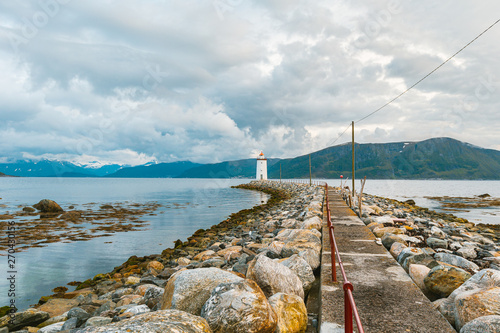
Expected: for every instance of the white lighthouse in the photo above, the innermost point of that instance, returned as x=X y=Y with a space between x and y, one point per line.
x=261 y=167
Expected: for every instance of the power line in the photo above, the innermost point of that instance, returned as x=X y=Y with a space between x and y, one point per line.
x=425 y=77
x=331 y=144
x=415 y=84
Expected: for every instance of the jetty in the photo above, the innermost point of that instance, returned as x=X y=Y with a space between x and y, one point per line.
x=308 y=263
x=386 y=298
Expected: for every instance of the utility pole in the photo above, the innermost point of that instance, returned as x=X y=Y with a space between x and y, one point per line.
x=310 y=171
x=353 y=167
x=280 y=172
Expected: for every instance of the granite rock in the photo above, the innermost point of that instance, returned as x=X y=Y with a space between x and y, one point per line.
x=291 y=312
x=188 y=290
x=443 y=280
x=239 y=307
x=272 y=277
x=156 y=322
x=485 y=324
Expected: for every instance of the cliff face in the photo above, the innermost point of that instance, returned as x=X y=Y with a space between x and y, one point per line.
x=443 y=158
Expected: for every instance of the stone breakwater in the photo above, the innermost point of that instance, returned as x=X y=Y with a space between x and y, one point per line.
x=455 y=263
x=250 y=273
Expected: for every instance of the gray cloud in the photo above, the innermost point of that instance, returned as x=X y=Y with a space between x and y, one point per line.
x=123 y=82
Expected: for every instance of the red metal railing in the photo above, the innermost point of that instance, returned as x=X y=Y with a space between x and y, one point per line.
x=350 y=308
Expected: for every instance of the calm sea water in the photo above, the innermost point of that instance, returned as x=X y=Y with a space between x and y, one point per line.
x=418 y=190
x=204 y=202
x=210 y=201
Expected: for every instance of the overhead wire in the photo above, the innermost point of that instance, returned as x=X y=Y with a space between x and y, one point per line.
x=331 y=144
x=429 y=74
x=416 y=83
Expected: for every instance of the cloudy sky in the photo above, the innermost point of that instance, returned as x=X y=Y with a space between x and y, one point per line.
x=129 y=81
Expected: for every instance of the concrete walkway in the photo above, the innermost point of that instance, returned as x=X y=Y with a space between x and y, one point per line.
x=387 y=299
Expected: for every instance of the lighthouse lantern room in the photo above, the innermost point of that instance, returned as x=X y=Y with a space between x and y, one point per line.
x=261 y=167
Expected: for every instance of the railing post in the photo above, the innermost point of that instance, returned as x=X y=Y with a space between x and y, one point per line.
x=348 y=308
x=333 y=255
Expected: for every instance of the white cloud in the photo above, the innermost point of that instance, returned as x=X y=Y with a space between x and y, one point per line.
x=119 y=82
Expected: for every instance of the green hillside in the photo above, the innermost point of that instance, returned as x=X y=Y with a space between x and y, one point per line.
x=442 y=158
x=233 y=169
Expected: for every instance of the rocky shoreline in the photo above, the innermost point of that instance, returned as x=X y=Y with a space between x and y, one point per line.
x=250 y=273
x=253 y=272
x=455 y=263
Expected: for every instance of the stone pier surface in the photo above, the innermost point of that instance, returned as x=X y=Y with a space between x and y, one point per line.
x=386 y=297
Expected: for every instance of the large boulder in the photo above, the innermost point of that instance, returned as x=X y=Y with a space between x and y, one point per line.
x=443 y=280
x=388 y=239
x=156 y=265
x=447 y=309
x=230 y=252
x=297 y=240
x=483 y=279
x=79 y=314
x=476 y=303
x=156 y=322
x=30 y=317
x=188 y=290
x=420 y=259
x=397 y=248
x=48 y=206
x=458 y=261
x=418 y=274
x=137 y=310
x=57 y=306
x=468 y=252
x=312 y=257
x=485 y=324
x=97 y=321
x=313 y=209
x=438 y=233
x=437 y=243
x=153 y=296
x=275 y=247
x=289 y=223
x=54 y=320
x=141 y=290
x=312 y=223
x=300 y=267
x=379 y=232
x=204 y=255
x=408 y=252
x=239 y=307
x=291 y=312
x=272 y=277
x=53 y=328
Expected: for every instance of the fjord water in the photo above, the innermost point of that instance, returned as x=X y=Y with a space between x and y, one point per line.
x=201 y=203
x=188 y=205
x=418 y=190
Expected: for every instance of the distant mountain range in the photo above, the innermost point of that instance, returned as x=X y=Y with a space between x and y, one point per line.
x=233 y=169
x=46 y=168
x=160 y=170
x=438 y=158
